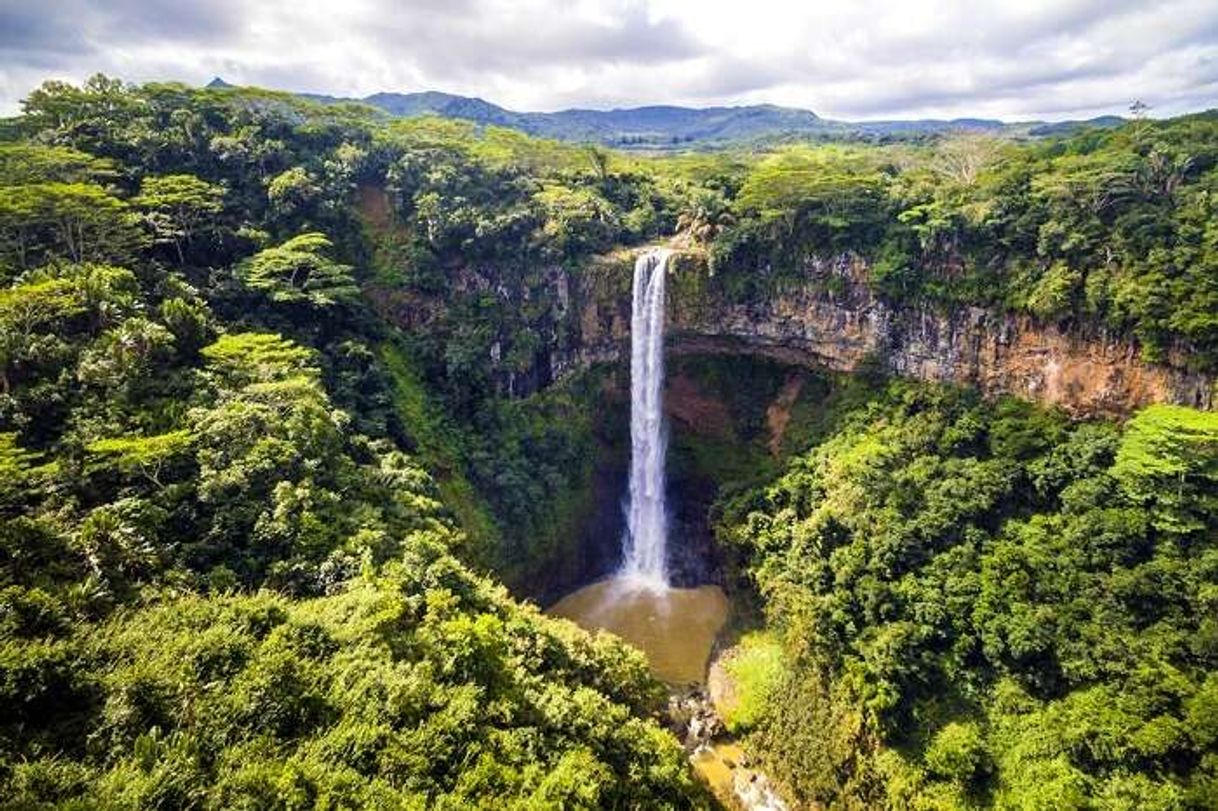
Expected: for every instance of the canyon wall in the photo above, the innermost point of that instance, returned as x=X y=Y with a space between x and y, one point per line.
x=831 y=319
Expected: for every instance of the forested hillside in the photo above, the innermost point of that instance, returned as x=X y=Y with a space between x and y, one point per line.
x=227 y=579
x=665 y=127
x=279 y=410
x=985 y=605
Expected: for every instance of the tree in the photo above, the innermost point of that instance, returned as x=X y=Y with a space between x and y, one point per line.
x=962 y=158
x=31 y=307
x=598 y=157
x=239 y=359
x=145 y=455
x=72 y=115
x=704 y=214
x=298 y=272
x=20 y=469
x=1053 y=295
x=577 y=219
x=1168 y=461
x=957 y=752
x=189 y=321
x=78 y=221
x=21 y=220
x=121 y=540
x=292 y=192
x=271 y=423
x=176 y=206
x=832 y=181
x=127 y=355
x=34 y=163
x=109 y=293
x=822 y=198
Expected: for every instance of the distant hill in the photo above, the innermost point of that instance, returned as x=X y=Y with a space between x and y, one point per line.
x=668 y=127
x=654 y=127
x=1066 y=127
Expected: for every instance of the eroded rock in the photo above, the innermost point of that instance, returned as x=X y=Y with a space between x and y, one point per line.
x=831 y=319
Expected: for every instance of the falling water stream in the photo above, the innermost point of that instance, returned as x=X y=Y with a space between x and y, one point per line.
x=645 y=543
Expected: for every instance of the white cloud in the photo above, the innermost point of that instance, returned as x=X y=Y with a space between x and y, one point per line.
x=1014 y=59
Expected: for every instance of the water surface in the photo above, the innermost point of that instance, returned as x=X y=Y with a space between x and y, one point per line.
x=674 y=627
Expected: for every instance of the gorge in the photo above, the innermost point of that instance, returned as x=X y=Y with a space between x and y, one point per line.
x=675 y=627
x=306 y=412
x=828 y=317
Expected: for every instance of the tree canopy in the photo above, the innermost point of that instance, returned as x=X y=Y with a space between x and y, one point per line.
x=286 y=388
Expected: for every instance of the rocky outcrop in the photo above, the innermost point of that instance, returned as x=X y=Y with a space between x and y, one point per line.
x=717 y=759
x=831 y=319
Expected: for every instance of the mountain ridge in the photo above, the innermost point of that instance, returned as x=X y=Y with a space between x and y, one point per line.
x=665 y=126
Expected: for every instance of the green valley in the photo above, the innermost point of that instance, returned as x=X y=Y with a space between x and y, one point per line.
x=306 y=409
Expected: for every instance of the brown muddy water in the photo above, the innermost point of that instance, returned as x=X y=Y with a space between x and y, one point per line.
x=676 y=628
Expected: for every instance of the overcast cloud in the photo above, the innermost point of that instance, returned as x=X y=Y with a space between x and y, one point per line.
x=1014 y=59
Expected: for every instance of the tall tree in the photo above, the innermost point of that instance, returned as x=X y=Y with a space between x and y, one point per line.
x=299 y=272
x=81 y=222
x=175 y=207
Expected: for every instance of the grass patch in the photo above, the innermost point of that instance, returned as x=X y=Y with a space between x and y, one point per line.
x=755 y=666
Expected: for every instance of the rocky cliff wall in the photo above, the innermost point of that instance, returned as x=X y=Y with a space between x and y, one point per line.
x=831 y=319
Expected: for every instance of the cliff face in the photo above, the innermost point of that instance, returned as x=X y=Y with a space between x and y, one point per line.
x=832 y=320
x=829 y=319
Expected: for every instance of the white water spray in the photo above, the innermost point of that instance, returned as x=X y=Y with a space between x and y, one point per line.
x=646 y=536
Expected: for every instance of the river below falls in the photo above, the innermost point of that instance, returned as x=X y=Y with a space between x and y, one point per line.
x=676 y=628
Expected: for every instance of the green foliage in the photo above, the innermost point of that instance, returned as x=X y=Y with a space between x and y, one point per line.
x=577 y=219
x=831 y=182
x=298 y=272
x=80 y=222
x=422 y=687
x=228 y=577
x=42 y=318
x=1168 y=462
x=197 y=464
x=147 y=455
x=1114 y=228
x=1053 y=294
x=802 y=200
x=35 y=163
x=26 y=313
x=437 y=441
x=957 y=752
x=292 y=191
x=171 y=450
x=176 y=207
x=19 y=470
x=983 y=602
x=756 y=669
x=244 y=358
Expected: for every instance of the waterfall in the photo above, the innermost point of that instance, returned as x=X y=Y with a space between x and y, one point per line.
x=644 y=544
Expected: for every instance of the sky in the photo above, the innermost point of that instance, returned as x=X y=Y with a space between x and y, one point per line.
x=860 y=60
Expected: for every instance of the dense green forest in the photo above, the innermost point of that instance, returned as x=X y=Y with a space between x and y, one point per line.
x=984 y=604
x=278 y=412
x=228 y=580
